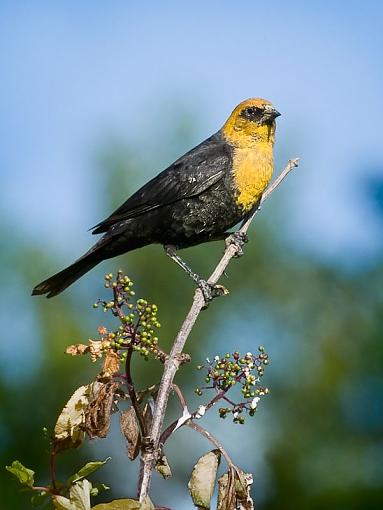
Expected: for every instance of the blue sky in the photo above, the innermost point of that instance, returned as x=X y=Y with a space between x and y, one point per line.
x=74 y=72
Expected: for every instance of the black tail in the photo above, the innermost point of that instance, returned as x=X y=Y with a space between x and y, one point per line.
x=60 y=281
x=106 y=248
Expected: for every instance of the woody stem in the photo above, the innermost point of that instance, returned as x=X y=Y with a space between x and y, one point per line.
x=172 y=364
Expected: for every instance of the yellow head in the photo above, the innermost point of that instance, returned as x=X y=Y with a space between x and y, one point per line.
x=251 y=122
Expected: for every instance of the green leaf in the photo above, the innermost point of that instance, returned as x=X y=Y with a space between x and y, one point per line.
x=98 y=488
x=90 y=467
x=79 y=494
x=24 y=475
x=202 y=480
x=61 y=503
x=119 y=504
x=40 y=498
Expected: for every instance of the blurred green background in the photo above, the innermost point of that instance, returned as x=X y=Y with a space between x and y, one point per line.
x=96 y=99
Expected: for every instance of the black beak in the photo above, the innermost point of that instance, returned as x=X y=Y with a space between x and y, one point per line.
x=269 y=115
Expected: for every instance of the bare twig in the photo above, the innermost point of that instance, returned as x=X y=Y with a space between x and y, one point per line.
x=52 y=467
x=180 y=421
x=212 y=439
x=172 y=364
x=180 y=396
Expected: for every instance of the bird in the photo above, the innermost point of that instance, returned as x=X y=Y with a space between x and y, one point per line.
x=197 y=199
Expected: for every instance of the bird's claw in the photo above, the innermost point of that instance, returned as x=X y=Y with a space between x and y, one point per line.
x=238 y=239
x=211 y=291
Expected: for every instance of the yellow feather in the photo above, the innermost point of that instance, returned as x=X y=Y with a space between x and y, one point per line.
x=253 y=169
x=252 y=153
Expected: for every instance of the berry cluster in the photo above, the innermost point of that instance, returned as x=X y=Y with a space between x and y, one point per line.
x=138 y=320
x=233 y=369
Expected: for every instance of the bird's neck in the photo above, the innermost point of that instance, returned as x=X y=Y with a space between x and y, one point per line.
x=249 y=137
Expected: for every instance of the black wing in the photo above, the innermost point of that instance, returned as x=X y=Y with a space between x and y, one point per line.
x=189 y=176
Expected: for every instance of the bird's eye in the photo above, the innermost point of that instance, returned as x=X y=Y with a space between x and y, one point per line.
x=251 y=113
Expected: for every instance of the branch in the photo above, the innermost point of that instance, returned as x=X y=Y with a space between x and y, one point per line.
x=173 y=362
x=190 y=423
x=212 y=439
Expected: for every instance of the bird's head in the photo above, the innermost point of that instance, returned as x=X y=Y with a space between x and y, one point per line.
x=251 y=122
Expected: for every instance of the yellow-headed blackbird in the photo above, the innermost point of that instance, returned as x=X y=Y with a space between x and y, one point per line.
x=196 y=199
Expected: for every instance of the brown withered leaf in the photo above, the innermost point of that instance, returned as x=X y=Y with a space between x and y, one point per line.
x=234 y=490
x=77 y=349
x=243 y=483
x=95 y=349
x=226 y=491
x=111 y=364
x=69 y=431
x=131 y=431
x=100 y=408
x=202 y=480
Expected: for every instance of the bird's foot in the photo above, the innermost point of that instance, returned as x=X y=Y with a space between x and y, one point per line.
x=238 y=239
x=211 y=291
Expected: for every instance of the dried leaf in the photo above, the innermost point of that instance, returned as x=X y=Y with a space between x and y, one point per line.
x=95 y=349
x=79 y=495
x=226 y=491
x=146 y=504
x=111 y=364
x=99 y=410
x=234 y=491
x=61 y=503
x=68 y=432
x=243 y=485
x=77 y=349
x=87 y=469
x=131 y=431
x=163 y=468
x=202 y=480
x=24 y=475
x=119 y=504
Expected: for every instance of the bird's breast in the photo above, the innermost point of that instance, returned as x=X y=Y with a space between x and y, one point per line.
x=252 y=171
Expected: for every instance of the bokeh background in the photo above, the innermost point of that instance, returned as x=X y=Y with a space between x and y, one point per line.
x=95 y=98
